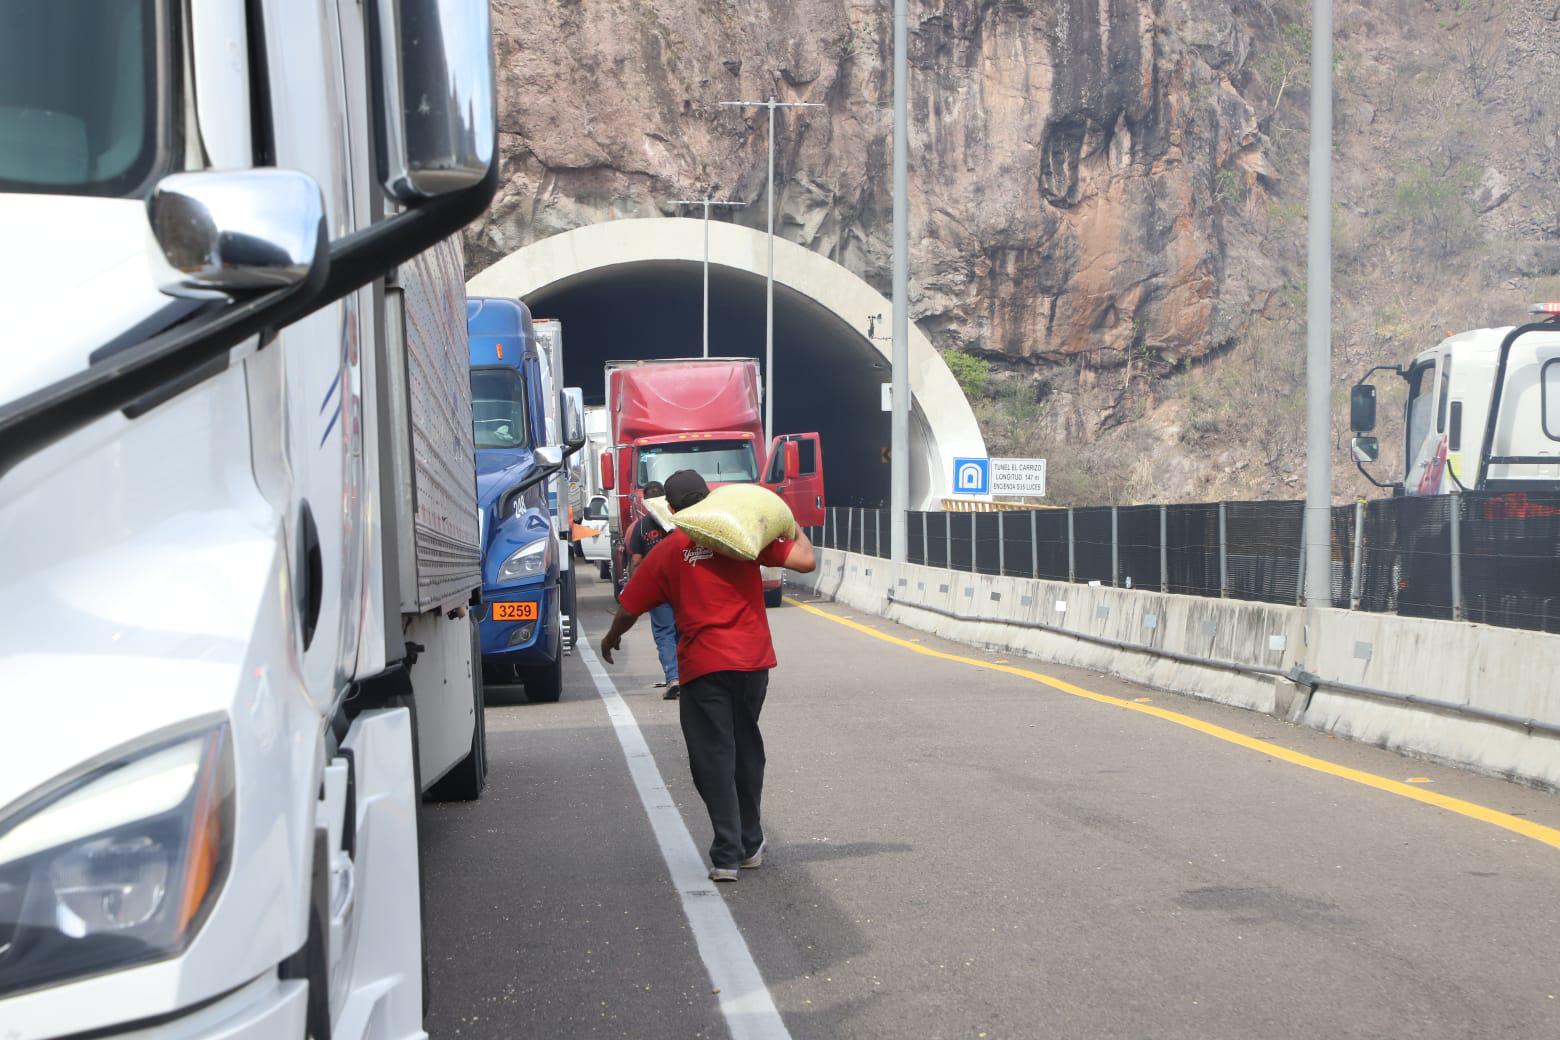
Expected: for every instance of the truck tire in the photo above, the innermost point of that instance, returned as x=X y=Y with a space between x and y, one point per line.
x=465 y=782
x=571 y=627
x=544 y=685
x=604 y=567
x=773 y=597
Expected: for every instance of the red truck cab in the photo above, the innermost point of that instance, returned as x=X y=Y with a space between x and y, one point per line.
x=703 y=414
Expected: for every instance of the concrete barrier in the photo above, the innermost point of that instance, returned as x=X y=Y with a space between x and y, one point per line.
x=1255 y=655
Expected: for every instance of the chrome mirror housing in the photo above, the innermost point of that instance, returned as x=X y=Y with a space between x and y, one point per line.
x=436 y=103
x=549 y=455
x=223 y=233
x=573 y=418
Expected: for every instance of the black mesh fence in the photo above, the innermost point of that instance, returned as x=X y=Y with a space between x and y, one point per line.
x=1511 y=560
x=1507 y=572
x=1092 y=543
x=960 y=542
x=1051 y=544
x=915 y=538
x=1262 y=550
x=1192 y=549
x=1137 y=547
x=988 y=546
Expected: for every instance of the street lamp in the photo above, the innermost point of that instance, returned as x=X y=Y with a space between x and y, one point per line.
x=707 y=202
x=899 y=428
x=769 y=287
x=1317 y=579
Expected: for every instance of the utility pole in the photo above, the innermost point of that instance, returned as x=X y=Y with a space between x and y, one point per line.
x=899 y=427
x=769 y=286
x=1318 y=318
x=707 y=202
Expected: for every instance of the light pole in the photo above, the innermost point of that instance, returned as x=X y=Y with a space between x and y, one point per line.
x=1318 y=319
x=899 y=427
x=707 y=202
x=769 y=281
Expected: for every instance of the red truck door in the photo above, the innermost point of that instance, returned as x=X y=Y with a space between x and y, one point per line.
x=796 y=475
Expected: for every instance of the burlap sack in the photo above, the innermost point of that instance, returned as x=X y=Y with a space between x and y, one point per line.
x=737 y=520
x=658 y=508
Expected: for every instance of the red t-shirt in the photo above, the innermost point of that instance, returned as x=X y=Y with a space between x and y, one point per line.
x=719 y=603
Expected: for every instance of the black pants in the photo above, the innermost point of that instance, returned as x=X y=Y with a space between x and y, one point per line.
x=719 y=714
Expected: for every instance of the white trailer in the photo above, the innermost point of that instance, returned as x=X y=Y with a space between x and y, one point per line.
x=238 y=506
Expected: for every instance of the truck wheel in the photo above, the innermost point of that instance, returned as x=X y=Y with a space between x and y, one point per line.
x=465 y=782
x=605 y=569
x=544 y=685
x=570 y=609
x=773 y=597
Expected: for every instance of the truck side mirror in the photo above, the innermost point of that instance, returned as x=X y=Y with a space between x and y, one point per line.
x=1362 y=408
x=793 y=460
x=435 y=103
x=1366 y=449
x=608 y=478
x=573 y=419
x=220 y=233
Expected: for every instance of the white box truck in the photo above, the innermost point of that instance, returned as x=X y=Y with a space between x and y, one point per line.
x=238 y=536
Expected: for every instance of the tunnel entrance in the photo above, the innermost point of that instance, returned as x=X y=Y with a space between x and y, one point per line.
x=631 y=289
x=827 y=378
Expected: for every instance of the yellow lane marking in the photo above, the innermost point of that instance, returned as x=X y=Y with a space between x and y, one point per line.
x=1527 y=828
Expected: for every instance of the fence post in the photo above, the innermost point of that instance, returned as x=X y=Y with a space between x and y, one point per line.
x=1072 y=558
x=1300 y=576
x=849 y=518
x=1001 y=548
x=1164 y=549
x=948 y=540
x=1115 y=560
x=926 y=548
x=877 y=532
x=1457 y=586
x=974 y=555
x=1224 y=555
x=1034 y=545
x=1357 y=579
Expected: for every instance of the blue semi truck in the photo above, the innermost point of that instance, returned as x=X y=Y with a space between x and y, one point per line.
x=512 y=392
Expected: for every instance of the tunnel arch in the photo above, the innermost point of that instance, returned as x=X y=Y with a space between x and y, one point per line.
x=632 y=288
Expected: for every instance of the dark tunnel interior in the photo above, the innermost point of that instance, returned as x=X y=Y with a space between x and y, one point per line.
x=827 y=377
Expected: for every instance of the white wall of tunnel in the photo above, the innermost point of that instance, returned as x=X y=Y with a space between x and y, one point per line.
x=631 y=288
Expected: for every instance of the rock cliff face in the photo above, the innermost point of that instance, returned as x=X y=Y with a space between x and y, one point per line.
x=1106 y=199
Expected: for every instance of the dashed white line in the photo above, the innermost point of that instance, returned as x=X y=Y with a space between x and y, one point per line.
x=745 y=1000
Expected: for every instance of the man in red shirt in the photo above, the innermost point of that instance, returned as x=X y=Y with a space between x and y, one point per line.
x=724 y=654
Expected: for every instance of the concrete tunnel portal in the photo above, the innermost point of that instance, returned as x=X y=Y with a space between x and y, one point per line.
x=633 y=289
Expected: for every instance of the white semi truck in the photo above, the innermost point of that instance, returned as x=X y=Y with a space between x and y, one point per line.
x=1482 y=412
x=238 y=534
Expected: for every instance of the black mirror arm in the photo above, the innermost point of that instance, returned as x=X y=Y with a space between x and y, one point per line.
x=1367 y=475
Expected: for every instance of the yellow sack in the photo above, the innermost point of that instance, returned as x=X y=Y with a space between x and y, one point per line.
x=737 y=520
x=658 y=508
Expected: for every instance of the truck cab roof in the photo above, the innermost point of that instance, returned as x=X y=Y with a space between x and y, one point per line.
x=500 y=331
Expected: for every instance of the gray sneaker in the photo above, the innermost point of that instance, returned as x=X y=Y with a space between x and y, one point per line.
x=757 y=859
x=723 y=874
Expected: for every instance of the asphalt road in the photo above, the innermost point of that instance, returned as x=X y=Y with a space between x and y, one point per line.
x=957 y=852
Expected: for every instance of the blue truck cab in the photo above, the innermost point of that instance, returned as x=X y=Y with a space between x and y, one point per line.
x=521 y=625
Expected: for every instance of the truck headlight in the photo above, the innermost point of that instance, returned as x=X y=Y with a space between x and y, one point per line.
x=528 y=561
x=117 y=867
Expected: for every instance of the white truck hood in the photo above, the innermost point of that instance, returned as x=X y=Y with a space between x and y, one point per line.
x=73 y=277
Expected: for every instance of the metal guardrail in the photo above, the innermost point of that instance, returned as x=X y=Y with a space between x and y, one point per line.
x=1479 y=557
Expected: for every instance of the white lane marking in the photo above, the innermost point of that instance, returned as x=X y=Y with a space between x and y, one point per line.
x=745 y=1001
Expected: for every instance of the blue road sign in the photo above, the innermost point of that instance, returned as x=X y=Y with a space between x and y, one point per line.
x=971 y=476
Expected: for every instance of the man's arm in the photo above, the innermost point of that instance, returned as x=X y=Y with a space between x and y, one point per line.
x=801 y=557
x=622 y=621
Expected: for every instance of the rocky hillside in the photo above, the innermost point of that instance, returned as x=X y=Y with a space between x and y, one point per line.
x=1107 y=196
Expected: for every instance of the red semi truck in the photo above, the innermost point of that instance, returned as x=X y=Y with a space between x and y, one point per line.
x=702 y=414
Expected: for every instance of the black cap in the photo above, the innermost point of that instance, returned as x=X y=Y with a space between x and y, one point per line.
x=685 y=488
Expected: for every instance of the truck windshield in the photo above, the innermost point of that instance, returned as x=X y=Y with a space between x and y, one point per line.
x=729 y=462
x=498 y=409
x=78 y=96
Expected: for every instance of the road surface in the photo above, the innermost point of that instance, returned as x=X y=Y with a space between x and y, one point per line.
x=957 y=851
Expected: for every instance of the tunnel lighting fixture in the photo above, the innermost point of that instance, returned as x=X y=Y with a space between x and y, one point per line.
x=707 y=202
x=769 y=280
